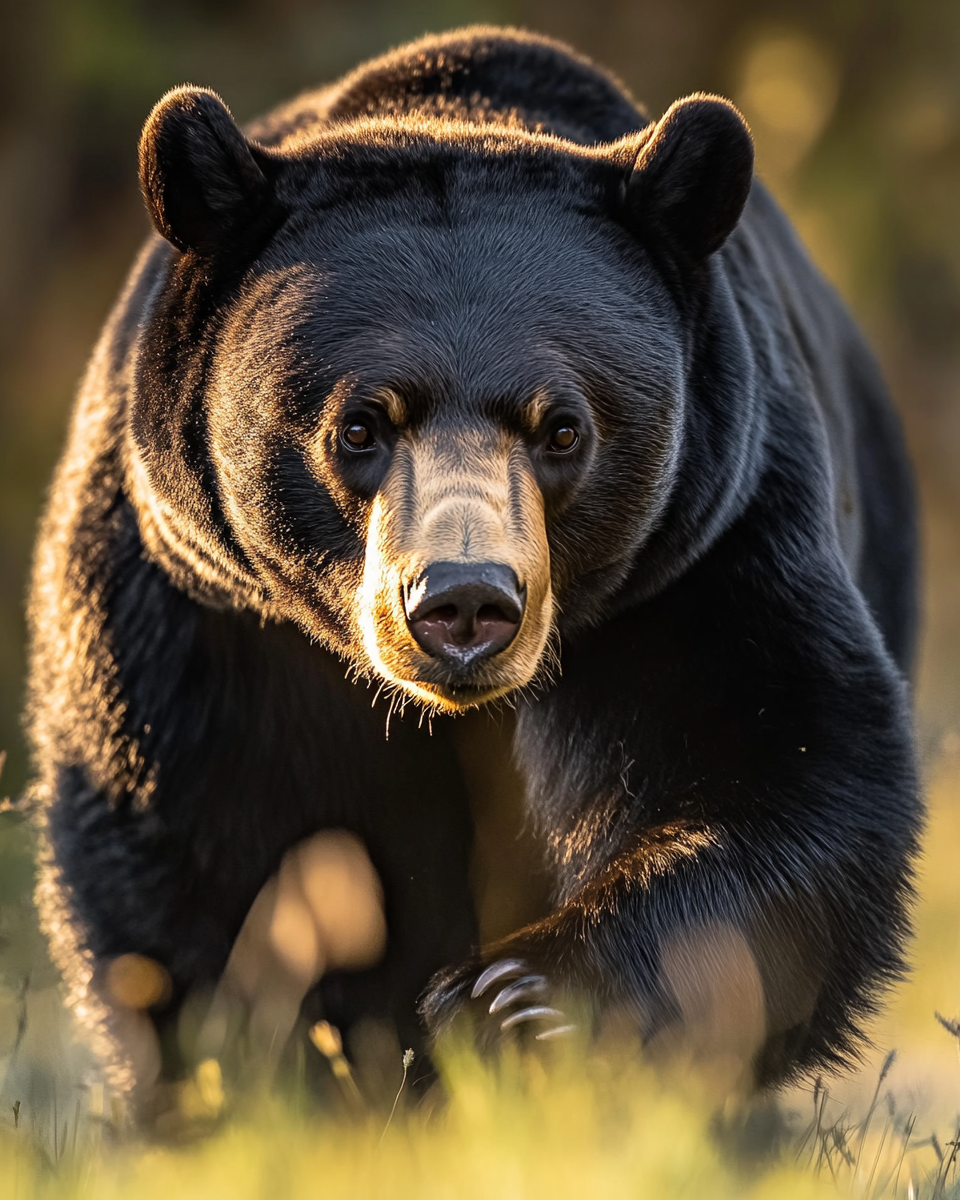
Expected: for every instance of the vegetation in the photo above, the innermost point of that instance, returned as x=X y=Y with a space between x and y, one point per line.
x=579 y=1127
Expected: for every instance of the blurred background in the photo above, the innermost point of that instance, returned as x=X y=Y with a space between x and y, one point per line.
x=855 y=107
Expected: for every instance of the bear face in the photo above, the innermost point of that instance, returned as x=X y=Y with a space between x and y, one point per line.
x=361 y=337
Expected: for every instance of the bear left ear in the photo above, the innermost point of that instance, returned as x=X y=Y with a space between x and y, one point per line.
x=201 y=181
x=692 y=175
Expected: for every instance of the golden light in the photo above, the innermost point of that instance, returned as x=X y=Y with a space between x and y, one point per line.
x=294 y=935
x=343 y=895
x=713 y=975
x=788 y=90
x=134 y=981
x=323 y=910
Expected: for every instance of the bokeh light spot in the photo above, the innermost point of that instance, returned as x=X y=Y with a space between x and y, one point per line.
x=788 y=90
x=135 y=981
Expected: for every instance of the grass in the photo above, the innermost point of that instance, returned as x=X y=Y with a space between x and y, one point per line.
x=581 y=1125
x=578 y=1128
x=585 y=1123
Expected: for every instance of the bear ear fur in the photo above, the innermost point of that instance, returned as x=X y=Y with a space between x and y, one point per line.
x=692 y=175
x=201 y=182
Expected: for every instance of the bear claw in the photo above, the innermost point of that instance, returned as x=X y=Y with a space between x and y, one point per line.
x=557 y=1032
x=496 y=971
x=535 y=1012
x=527 y=988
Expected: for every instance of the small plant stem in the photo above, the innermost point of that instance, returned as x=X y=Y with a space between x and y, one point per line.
x=407 y=1060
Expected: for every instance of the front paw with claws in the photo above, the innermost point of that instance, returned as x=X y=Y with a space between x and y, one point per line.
x=508 y=998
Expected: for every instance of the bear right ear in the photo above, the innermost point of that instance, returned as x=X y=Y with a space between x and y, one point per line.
x=691 y=176
x=200 y=180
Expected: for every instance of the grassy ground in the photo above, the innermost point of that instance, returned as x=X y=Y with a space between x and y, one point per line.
x=581 y=1125
x=572 y=1129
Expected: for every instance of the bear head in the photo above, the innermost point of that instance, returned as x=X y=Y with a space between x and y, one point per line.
x=424 y=387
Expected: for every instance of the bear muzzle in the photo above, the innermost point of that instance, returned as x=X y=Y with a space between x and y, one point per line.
x=456 y=604
x=463 y=612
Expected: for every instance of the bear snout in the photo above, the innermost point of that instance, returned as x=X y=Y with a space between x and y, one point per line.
x=464 y=611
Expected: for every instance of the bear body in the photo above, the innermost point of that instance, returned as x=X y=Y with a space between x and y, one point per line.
x=462 y=380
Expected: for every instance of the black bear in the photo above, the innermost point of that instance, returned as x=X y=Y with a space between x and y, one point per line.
x=464 y=382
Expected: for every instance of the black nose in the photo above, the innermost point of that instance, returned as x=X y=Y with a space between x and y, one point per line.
x=464 y=611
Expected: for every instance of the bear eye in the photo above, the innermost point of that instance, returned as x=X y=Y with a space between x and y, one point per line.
x=357 y=436
x=563 y=440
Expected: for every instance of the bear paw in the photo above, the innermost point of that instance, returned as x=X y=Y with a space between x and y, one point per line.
x=506 y=998
x=520 y=997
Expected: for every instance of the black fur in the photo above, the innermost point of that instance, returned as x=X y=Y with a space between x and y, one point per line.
x=728 y=740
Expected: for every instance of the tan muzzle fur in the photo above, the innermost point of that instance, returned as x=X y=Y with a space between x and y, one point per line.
x=469 y=497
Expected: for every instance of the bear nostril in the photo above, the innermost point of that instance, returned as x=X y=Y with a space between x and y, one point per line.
x=447 y=612
x=490 y=612
x=465 y=611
